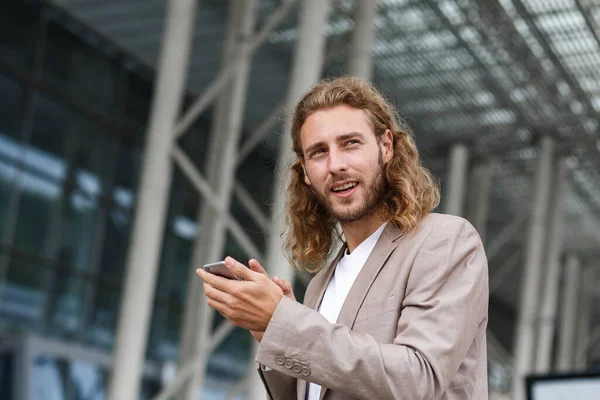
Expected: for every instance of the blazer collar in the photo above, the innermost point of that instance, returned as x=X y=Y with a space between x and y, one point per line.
x=383 y=248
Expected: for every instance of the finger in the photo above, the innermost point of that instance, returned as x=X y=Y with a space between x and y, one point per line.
x=216 y=281
x=240 y=270
x=256 y=267
x=216 y=295
x=284 y=284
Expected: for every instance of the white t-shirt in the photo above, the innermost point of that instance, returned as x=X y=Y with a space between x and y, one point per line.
x=346 y=271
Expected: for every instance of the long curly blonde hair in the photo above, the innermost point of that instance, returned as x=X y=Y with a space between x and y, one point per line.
x=412 y=193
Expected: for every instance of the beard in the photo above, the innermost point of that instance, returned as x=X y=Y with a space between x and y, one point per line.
x=373 y=198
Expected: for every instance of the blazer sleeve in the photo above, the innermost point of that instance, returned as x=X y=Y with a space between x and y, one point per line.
x=445 y=303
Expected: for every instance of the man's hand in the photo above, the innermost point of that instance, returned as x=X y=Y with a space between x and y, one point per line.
x=285 y=285
x=250 y=303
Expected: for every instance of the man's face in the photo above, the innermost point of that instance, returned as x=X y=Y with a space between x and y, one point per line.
x=344 y=161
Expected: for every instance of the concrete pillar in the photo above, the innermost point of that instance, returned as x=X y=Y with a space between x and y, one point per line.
x=151 y=207
x=584 y=315
x=360 y=60
x=458 y=164
x=22 y=379
x=533 y=270
x=478 y=203
x=549 y=303
x=568 y=315
x=220 y=170
x=306 y=69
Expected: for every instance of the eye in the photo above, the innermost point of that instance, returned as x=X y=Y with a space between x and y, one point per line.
x=352 y=142
x=317 y=152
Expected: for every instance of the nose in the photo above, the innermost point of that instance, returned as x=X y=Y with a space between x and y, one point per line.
x=337 y=162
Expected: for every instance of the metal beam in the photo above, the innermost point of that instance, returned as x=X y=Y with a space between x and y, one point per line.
x=456 y=183
x=307 y=64
x=549 y=301
x=227 y=72
x=568 y=316
x=594 y=338
x=506 y=235
x=478 y=202
x=530 y=288
x=501 y=94
x=584 y=314
x=499 y=275
x=204 y=188
x=253 y=209
x=360 y=60
x=220 y=170
x=582 y=96
x=261 y=132
x=23 y=370
x=152 y=197
x=590 y=22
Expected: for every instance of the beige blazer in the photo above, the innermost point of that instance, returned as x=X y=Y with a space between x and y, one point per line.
x=412 y=327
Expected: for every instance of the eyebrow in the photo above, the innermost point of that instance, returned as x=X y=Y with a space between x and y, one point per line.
x=339 y=138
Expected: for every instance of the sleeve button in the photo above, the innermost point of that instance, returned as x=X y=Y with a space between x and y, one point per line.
x=279 y=360
x=305 y=371
x=288 y=364
x=297 y=368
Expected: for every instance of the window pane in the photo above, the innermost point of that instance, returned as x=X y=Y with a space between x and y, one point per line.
x=6 y=376
x=128 y=167
x=18 y=26
x=83 y=72
x=64 y=303
x=22 y=295
x=101 y=328
x=11 y=107
x=10 y=149
x=38 y=205
x=50 y=378
x=139 y=96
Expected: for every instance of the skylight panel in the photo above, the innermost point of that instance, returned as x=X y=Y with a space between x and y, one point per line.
x=452 y=12
x=545 y=6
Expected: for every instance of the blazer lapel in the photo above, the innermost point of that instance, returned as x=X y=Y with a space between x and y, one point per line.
x=313 y=298
x=376 y=260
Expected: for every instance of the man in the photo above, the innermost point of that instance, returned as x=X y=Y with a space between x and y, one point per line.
x=401 y=312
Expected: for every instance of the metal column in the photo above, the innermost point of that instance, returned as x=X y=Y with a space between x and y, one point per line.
x=530 y=287
x=152 y=198
x=306 y=69
x=360 y=60
x=584 y=314
x=457 y=179
x=220 y=170
x=23 y=376
x=568 y=316
x=549 y=303
x=479 y=196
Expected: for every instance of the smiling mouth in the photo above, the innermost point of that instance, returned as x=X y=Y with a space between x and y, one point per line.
x=345 y=188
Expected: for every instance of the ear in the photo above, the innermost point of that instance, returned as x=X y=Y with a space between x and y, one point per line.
x=306 y=178
x=387 y=146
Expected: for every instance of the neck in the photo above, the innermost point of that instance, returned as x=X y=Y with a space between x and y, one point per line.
x=356 y=232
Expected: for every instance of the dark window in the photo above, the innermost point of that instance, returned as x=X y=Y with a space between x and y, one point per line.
x=80 y=71
x=18 y=29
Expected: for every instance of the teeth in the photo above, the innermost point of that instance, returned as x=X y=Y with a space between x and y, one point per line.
x=344 y=187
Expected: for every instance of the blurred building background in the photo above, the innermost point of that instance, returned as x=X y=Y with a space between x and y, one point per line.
x=140 y=138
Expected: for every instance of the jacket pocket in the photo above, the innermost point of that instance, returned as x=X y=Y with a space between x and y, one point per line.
x=372 y=308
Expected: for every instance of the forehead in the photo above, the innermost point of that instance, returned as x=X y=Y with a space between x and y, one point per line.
x=328 y=123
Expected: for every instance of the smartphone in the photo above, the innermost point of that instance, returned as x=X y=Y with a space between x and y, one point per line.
x=219 y=268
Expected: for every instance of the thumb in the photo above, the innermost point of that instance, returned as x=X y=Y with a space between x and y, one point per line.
x=239 y=269
x=256 y=267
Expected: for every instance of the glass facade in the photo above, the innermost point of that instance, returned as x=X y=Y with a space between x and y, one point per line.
x=73 y=115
